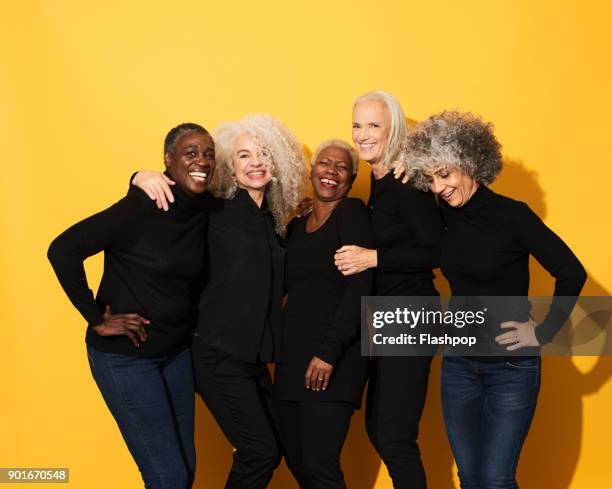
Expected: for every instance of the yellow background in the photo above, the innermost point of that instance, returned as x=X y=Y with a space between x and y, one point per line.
x=89 y=89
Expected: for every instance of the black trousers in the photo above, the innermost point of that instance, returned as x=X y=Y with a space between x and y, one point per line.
x=396 y=395
x=239 y=396
x=313 y=435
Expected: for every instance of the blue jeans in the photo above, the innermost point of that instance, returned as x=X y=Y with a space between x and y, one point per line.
x=153 y=402
x=488 y=408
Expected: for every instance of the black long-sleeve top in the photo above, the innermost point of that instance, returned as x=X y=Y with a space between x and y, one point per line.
x=240 y=308
x=486 y=253
x=153 y=266
x=322 y=314
x=408 y=233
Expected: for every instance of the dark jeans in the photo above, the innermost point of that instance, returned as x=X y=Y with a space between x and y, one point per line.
x=152 y=401
x=396 y=395
x=239 y=396
x=488 y=408
x=313 y=434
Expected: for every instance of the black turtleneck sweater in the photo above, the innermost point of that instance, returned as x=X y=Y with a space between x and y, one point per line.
x=240 y=309
x=486 y=253
x=153 y=266
x=408 y=233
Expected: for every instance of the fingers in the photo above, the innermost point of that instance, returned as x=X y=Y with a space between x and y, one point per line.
x=509 y=324
x=137 y=317
x=320 y=377
x=314 y=377
x=326 y=377
x=509 y=337
x=132 y=338
x=345 y=248
x=151 y=194
x=406 y=179
x=168 y=180
x=308 y=375
x=160 y=197
x=166 y=191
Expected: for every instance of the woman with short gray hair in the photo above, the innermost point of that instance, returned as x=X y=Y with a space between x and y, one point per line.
x=489 y=401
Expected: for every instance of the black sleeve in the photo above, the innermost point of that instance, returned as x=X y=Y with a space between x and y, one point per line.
x=421 y=213
x=87 y=238
x=354 y=229
x=556 y=257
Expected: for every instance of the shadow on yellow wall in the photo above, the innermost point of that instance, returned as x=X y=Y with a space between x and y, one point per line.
x=551 y=453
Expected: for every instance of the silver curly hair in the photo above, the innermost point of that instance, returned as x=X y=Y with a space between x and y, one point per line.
x=399 y=129
x=288 y=165
x=337 y=143
x=455 y=139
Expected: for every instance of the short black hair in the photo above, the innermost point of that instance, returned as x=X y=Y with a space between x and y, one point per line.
x=176 y=132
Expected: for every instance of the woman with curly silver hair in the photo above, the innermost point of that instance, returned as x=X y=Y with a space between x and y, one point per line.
x=260 y=173
x=408 y=231
x=489 y=401
x=320 y=379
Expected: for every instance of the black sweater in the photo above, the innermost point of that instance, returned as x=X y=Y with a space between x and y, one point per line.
x=153 y=266
x=322 y=314
x=240 y=309
x=408 y=233
x=486 y=253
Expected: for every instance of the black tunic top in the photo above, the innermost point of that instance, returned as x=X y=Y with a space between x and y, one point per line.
x=240 y=309
x=322 y=314
x=486 y=253
x=408 y=233
x=153 y=266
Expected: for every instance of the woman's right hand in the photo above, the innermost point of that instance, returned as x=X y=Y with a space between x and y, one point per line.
x=305 y=207
x=400 y=171
x=157 y=187
x=130 y=325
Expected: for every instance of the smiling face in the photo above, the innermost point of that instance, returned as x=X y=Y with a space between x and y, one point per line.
x=371 y=128
x=251 y=163
x=332 y=174
x=192 y=162
x=451 y=184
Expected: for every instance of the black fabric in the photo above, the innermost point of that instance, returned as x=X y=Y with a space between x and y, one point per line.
x=240 y=309
x=313 y=434
x=322 y=314
x=153 y=266
x=239 y=395
x=396 y=396
x=486 y=253
x=408 y=233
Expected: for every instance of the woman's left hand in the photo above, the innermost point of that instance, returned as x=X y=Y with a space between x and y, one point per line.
x=520 y=336
x=318 y=374
x=352 y=259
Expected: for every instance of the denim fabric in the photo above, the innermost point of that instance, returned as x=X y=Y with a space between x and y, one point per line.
x=488 y=408
x=152 y=401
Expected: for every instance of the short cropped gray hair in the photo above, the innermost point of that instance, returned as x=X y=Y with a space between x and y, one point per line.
x=338 y=143
x=456 y=139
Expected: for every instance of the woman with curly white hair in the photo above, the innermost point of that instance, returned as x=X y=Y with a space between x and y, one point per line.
x=489 y=401
x=408 y=231
x=260 y=173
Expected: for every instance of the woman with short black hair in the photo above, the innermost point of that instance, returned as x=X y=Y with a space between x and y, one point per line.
x=141 y=321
